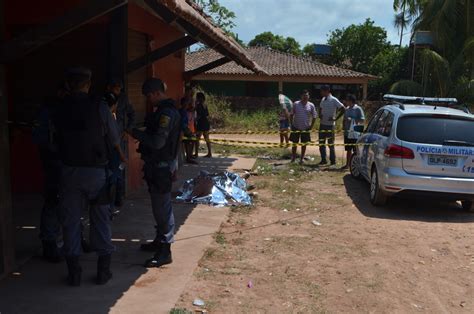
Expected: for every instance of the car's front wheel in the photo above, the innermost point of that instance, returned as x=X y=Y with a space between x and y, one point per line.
x=354 y=167
x=377 y=196
x=467 y=206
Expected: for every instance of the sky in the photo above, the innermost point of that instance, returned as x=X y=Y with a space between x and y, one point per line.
x=309 y=21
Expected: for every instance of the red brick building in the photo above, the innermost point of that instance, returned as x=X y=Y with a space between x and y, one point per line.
x=133 y=40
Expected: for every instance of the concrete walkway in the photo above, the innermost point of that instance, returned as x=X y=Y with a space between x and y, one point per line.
x=39 y=287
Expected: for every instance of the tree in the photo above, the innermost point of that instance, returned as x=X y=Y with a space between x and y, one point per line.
x=356 y=46
x=223 y=17
x=308 y=51
x=276 y=42
x=407 y=11
x=447 y=68
x=389 y=65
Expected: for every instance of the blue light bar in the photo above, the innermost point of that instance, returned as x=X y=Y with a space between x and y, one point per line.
x=415 y=99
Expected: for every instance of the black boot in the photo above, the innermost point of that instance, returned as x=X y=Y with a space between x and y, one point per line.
x=103 y=269
x=86 y=248
x=51 y=252
x=154 y=246
x=162 y=257
x=75 y=271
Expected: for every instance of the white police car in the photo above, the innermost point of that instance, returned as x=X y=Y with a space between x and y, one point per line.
x=421 y=150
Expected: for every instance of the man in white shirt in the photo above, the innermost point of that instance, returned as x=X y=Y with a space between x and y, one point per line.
x=328 y=109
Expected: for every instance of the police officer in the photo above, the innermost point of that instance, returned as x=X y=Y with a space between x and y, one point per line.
x=83 y=129
x=44 y=137
x=158 y=147
x=125 y=118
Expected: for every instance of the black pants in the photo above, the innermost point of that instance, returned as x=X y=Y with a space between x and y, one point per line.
x=327 y=132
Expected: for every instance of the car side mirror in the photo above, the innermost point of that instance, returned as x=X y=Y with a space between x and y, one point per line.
x=359 y=128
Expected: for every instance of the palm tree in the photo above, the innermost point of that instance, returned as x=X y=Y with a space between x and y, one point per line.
x=401 y=22
x=407 y=11
x=447 y=69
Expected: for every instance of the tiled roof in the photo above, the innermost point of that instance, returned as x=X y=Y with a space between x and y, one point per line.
x=275 y=63
x=215 y=37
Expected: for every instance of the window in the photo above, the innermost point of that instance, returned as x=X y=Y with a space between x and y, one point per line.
x=373 y=123
x=384 y=127
x=435 y=129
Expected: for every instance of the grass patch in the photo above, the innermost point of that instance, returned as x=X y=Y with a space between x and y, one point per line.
x=180 y=311
x=220 y=238
x=267 y=152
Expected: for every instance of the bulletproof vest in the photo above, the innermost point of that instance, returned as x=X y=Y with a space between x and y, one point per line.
x=81 y=132
x=170 y=150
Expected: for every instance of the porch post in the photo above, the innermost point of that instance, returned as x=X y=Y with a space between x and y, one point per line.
x=280 y=86
x=7 y=243
x=364 y=90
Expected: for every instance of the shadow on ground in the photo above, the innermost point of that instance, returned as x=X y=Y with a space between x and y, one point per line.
x=411 y=209
x=39 y=287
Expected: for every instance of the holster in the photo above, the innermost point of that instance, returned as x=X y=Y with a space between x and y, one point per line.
x=107 y=192
x=158 y=177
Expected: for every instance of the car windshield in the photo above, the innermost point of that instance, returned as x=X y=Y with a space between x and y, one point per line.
x=437 y=130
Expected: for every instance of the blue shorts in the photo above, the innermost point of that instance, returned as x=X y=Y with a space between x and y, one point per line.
x=284 y=124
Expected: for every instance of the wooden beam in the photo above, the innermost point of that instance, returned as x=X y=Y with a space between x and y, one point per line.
x=39 y=36
x=160 y=53
x=7 y=243
x=280 y=86
x=117 y=45
x=364 y=91
x=211 y=65
x=161 y=10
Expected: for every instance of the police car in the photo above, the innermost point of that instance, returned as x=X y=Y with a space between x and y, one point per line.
x=414 y=147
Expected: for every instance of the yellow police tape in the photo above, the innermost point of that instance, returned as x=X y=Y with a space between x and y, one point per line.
x=271 y=132
x=270 y=144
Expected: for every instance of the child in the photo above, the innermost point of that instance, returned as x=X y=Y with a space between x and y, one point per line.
x=202 y=123
x=114 y=159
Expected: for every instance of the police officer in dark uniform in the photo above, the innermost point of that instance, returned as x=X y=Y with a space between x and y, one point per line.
x=125 y=117
x=44 y=137
x=159 y=147
x=84 y=130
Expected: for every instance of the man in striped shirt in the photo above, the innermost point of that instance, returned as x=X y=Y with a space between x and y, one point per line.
x=303 y=117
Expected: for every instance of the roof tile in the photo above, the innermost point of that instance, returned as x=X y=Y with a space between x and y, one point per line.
x=274 y=62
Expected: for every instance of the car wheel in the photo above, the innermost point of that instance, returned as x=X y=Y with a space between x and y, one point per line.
x=467 y=206
x=354 y=167
x=377 y=196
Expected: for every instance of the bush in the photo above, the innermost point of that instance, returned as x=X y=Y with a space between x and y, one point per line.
x=222 y=117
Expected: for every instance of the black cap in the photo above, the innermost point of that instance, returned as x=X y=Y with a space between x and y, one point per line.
x=82 y=72
x=153 y=85
x=110 y=99
x=325 y=87
x=116 y=81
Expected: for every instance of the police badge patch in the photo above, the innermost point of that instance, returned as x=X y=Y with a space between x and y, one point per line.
x=164 y=121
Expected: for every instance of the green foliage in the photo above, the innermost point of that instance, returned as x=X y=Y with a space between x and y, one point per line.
x=308 y=50
x=447 y=69
x=276 y=42
x=223 y=17
x=222 y=117
x=390 y=65
x=356 y=46
x=407 y=88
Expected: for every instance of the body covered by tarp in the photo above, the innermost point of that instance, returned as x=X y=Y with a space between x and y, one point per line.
x=220 y=189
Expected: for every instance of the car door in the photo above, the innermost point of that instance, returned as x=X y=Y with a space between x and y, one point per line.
x=382 y=139
x=366 y=139
x=375 y=142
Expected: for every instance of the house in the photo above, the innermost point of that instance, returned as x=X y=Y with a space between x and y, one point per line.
x=132 y=40
x=285 y=72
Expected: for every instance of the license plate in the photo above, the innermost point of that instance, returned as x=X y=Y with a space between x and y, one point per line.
x=442 y=161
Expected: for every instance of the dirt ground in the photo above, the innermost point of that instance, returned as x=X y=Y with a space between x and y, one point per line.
x=314 y=244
